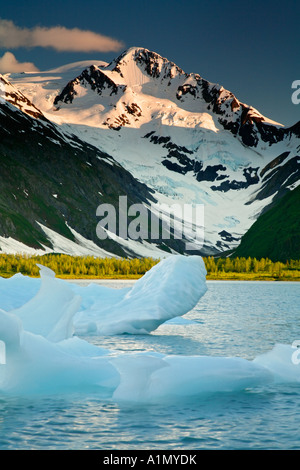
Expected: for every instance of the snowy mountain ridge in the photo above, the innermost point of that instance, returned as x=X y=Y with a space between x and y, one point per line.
x=190 y=141
x=135 y=70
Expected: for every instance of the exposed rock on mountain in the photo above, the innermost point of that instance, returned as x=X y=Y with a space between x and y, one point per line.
x=189 y=141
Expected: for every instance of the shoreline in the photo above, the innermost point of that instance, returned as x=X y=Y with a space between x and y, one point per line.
x=136 y=277
x=92 y=268
x=208 y=278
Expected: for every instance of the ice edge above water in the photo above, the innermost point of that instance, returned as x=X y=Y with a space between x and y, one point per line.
x=41 y=353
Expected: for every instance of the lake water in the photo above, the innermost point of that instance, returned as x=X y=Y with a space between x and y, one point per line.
x=241 y=319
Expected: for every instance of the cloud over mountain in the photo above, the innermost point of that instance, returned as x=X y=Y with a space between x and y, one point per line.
x=9 y=64
x=58 y=37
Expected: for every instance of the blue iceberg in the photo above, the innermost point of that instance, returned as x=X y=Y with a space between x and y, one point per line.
x=42 y=351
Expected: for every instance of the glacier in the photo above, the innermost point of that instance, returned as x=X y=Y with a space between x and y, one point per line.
x=190 y=141
x=42 y=350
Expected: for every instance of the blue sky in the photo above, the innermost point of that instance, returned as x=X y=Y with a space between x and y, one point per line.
x=249 y=47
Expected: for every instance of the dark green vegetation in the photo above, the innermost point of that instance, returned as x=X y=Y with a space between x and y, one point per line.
x=276 y=233
x=252 y=269
x=66 y=266
x=56 y=181
x=75 y=266
x=59 y=181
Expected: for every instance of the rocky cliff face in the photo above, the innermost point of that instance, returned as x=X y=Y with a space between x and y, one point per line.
x=10 y=94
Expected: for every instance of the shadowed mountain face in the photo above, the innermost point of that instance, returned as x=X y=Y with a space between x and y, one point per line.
x=154 y=133
x=276 y=233
x=56 y=181
x=52 y=184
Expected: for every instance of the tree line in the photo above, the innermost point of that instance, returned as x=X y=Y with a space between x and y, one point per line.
x=94 y=267
x=74 y=266
x=251 y=268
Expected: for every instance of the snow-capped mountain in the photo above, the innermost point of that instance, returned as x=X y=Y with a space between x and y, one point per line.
x=190 y=141
x=51 y=185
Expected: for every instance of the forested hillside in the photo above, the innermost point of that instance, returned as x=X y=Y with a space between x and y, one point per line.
x=276 y=233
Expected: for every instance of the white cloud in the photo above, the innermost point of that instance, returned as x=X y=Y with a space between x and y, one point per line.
x=9 y=64
x=57 y=37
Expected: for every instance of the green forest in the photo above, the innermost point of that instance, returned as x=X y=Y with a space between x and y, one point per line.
x=82 y=267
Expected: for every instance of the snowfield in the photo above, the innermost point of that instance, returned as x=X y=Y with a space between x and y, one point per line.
x=175 y=132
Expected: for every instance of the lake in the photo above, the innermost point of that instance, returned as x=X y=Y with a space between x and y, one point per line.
x=234 y=318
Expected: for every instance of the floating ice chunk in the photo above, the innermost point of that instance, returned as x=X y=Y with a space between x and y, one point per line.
x=50 y=312
x=170 y=289
x=191 y=376
x=10 y=326
x=17 y=290
x=37 y=365
x=39 y=355
x=282 y=361
x=155 y=378
x=135 y=375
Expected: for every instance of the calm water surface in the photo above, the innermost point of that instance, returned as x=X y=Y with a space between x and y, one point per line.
x=241 y=319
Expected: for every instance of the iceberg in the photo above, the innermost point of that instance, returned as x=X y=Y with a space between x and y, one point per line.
x=41 y=351
x=156 y=378
x=34 y=365
x=17 y=290
x=59 y=309
x=50 y=312
x=170 y=289
x=283 y=362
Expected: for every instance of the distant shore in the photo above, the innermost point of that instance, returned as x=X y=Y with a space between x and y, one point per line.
x=95 y=268
x=208 y=278
x=232 y=277
x=226 y=277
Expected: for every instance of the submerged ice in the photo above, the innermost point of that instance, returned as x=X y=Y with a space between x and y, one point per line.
x=41 y=351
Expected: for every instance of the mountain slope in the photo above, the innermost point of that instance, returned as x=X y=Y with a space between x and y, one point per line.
x=276 y=233
x=51 y=186
x=190 y=141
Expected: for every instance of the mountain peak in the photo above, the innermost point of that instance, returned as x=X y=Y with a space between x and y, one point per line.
x=92 y=76
x=139 y=76
x=150 y=62
x=187 y=139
